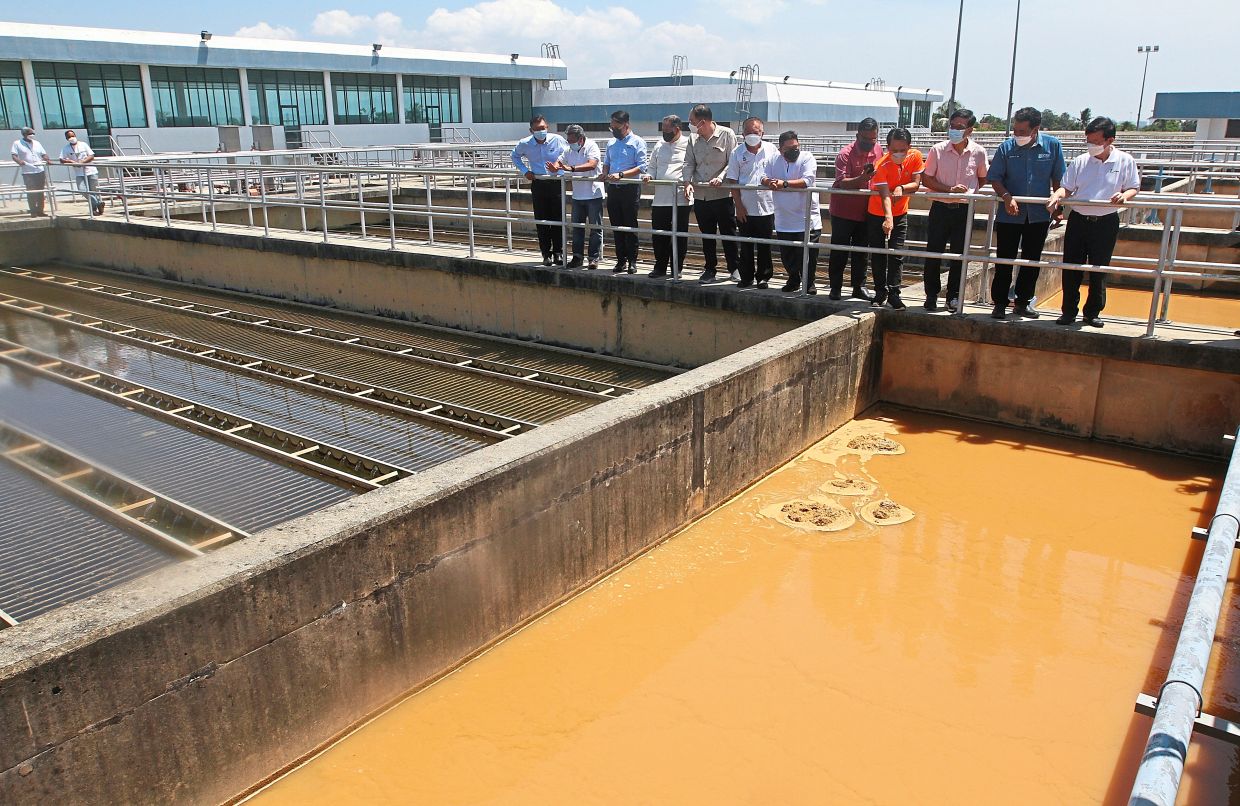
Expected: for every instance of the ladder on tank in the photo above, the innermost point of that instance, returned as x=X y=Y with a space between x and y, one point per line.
x=679 y=64
x=551 y=50
x=745 y=78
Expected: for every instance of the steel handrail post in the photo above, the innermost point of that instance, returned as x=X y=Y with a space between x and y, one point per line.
x=986 y=267
x=430 y=217
x=323 y=206
x=809 y=205
x=964 y=258
x=361 y=204
x=675 y=230
x=301 y=199
x=469 y=212
x=391 y=212
x=563 y=220
x=262 y=194
x=1172 y=252
x=1158 y=270
x=249 y=202
x=124 y=198
x=508 y=211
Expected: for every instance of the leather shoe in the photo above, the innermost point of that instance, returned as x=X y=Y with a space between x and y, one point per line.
x=1066 y=319
x=745 y=284
x=621 y=265
x=575 y=263
x=1025 y=312
x=657 y=272
x=707 y=277
x=1093 y=321
x=931 y=304
x=893 y=299
x=834 y=294
x=790 y=287
x=1000 y=312
x=547 y=260
x=632 y=268
x=763 y=285
x=860 y=292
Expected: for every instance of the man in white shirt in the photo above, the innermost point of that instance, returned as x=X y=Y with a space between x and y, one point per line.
x=1109 y=175
x=80 y=156
x=30 y=155
x=792 y=170
x=755 y=209
x=584 y=158
x=667 y=162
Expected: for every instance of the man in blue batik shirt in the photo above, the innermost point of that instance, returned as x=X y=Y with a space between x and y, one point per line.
x=540 y=148
x=1027 y=164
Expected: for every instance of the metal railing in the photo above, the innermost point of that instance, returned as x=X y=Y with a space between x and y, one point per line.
x=392 y=192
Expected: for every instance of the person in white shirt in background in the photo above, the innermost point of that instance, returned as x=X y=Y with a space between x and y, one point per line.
x=791 y=170
x=80 y=156
x=667 y=161
x=584 y=158
x=1107 y=174
x=755 y=209
x=31 y=156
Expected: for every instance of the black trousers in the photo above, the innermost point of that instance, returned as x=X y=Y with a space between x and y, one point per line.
x=792 y=255
x=622 y=201
x=717 y=216
x=755 y=263
x=1028 y=239
x=661 y=218
x=548 y=206
x=1088 y=241
x=888 y=269
x=846 y=232
x=948 y=229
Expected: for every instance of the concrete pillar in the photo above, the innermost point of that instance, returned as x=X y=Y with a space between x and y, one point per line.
x=244 y=80
x=328 y=102
x=148 y=95
x=400 y=98
x=467 y=101
x=32 y=96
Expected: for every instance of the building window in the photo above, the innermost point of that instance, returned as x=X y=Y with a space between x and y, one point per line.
x=14 y=112
x=96 y=97
x=1233 y=129
x=906 y=113
x=196 y=96
x=432 y=99
x=921 y=114
x=364 y=97
x=501 y=100
x=288 y=98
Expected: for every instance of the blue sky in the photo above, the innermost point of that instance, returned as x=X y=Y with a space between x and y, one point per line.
x=1072 y=54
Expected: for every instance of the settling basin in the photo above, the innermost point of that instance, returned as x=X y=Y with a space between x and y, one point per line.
x=987 y=650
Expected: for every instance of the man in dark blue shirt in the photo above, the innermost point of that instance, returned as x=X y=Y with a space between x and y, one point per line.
x=1027 y=164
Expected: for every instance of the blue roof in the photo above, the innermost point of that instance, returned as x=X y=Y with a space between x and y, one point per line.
x=1197 y=105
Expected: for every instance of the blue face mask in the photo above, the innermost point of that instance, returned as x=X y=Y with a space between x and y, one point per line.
x=955 y=135
x=541 y=135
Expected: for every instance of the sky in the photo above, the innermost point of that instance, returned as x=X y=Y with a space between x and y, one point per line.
x=1072 y=54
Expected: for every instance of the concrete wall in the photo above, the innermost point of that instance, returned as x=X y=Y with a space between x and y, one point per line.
x=196 y=682
x=27 y=241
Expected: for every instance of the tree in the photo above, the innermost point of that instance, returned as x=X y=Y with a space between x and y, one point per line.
x=1087 y=115
x=1127 y=126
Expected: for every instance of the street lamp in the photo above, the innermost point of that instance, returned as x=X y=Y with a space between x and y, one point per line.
x=951 y=100
x=1147 y=50
x=1012 y=81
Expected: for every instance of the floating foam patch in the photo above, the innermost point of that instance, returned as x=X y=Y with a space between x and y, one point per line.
x=815 y=513
x=886 y=513
x=849 y=485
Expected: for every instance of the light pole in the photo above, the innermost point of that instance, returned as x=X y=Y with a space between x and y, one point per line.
x=1147 y=50
x=951 y=102
x=1012 y=82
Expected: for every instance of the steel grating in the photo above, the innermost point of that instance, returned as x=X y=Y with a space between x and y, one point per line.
x=386 y=435
x=539 y=358
x=502 y=397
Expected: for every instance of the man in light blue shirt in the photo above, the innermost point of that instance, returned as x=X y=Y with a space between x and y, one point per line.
x=531 y=156
x=1027 y=164
x=625 y=159
x=28 y=153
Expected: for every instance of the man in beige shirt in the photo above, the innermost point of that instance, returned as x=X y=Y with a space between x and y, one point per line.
x=706 y=161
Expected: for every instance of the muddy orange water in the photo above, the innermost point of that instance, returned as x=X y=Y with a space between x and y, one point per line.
x=987 y=651
x=1186 y=307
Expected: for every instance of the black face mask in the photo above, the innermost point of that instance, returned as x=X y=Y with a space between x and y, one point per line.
x=792 y=154
x=865 y=145
x=616 y=133
x=669 y=136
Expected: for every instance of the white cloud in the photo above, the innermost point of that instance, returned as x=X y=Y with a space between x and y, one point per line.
x=340 y=23
x=264 y=30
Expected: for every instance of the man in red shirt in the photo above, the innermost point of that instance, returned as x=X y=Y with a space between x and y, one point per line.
x=854 y=166
x=896 y=177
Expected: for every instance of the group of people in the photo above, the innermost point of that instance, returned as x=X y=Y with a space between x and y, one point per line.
x=32 y=160
x=758 y=208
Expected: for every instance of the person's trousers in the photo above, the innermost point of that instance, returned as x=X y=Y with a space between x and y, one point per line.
x=548 y=206
x=792 y=255
x=755 y=261
x=1088 y=241
x=888 y=269
x=661 y=218
x=846 y=232
x=1028 y=239
x=622 y=201
x=947 y=229
x=588 y=211
x=90 y=186
x=35 y=183
x=717 y=216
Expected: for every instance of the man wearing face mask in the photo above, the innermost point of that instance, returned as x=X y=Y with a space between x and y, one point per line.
x=625 y=159
x=30 y=155
x=755 y=209
x=539 y=149
x=80 y=156
x=1103 y=172
x=794 y=169
x=583 y=158
x=1027 y=164
x=705 y=163
x=897 y=176
x=956 y=165
x=854 y=167
x=667 y=162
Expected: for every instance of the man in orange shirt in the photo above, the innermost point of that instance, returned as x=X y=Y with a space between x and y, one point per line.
x=897 y=175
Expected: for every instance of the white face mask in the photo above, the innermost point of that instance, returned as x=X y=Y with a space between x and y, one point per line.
x=898 y=156
x=955 y=135
x=753 y=140
x=1024 y=141
x=1095 y=151
x=72 y=141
